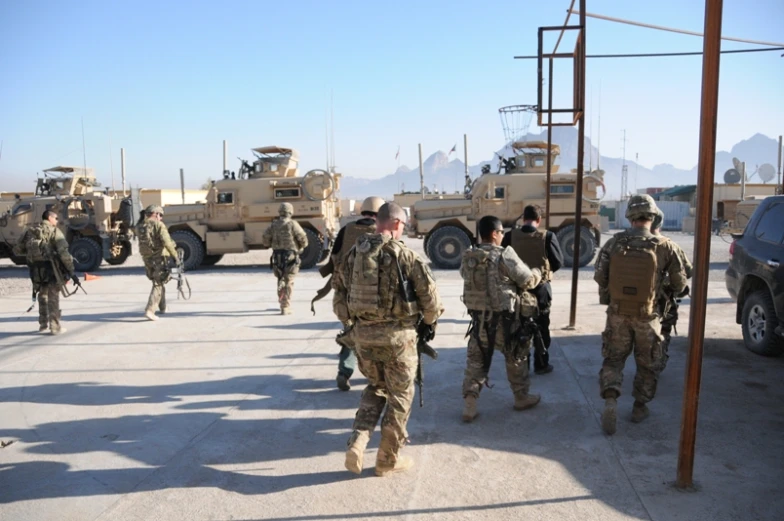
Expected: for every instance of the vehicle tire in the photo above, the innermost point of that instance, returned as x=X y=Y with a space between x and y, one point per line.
x=313 y=251
x=425 y=242
x=587 y=245
x=758 y=323
x=446 y=246
x=192 y=247
x=87 y=254
x=122 y=257
x=211 y=260
x=19 y=260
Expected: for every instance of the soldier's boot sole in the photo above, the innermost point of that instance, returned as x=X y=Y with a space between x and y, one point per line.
x=59 y=331
x=355 y=454
x=150 y=316
x=342 y=382
x=469 y=411
x=609 y=416
x=402 y=464
x=640 y=411
x=526 y=401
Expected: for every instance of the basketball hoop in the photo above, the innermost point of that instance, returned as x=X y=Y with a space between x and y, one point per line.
x=515 y=120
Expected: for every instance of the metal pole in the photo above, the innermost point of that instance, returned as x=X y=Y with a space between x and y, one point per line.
x=182 y=184
x=225 y=155
x=743 y=181
x=778 y=175
x=702 y=238
x=549 y=147
x=421 y=173
x=578 y=204
x=465 y=155
x=122 y=168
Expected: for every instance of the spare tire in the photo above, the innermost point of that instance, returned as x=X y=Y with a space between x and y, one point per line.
x=587 y=245
x=446 y=245
x=192 y=247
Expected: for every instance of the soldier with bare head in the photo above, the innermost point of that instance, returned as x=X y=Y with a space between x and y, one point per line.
x=630 y=271
x=495 y=284
x=157 y=249
x=371 y=296
x=288 y=240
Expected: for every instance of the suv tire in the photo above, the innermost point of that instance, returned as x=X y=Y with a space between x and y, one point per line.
x=758 y=323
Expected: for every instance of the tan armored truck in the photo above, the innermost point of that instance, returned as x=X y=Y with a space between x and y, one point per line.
x=241 y=206
x=96 y=226
x=449 y=226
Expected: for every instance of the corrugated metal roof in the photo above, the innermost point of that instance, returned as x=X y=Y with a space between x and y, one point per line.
x=676 y=190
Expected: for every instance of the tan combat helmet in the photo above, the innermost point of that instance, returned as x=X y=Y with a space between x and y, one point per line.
x=153 y=208
x=371 y=205
x=641 y=206
x=286 y=209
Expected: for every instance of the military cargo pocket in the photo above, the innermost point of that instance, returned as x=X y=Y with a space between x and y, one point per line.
x=606 y=338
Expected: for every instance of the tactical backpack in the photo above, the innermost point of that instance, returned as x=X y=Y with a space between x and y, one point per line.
x=633 y=273
x=147 y=243
x=483 y=289
x=37 y=244
x=531 y=247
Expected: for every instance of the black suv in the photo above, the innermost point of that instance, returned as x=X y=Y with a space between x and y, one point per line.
x=755 y=278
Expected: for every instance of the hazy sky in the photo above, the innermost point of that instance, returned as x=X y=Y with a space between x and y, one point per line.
x=168 y=81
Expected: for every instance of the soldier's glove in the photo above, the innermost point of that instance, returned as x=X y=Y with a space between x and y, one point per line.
x=426 y=332
x=74 y=279
x=684 y=293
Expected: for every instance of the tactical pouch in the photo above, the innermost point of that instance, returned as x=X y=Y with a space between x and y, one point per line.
x=633 y=277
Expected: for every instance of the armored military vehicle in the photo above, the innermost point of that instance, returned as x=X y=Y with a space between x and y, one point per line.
x=96 y=226
x=241 y=206
x=449 y=226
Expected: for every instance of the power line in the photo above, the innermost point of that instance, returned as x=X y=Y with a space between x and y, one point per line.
x=662 y=54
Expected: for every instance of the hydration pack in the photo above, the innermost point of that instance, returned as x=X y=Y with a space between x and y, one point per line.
x=633 y=272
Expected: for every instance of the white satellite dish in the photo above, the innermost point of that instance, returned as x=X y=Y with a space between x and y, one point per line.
x=732 y=176
x=766 y=172
x=737 y=164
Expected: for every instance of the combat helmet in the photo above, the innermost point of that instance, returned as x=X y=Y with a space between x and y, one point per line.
x=641 y=206
x=286 y=209
x=153 y=208
x=371 y=205
x=658 y=220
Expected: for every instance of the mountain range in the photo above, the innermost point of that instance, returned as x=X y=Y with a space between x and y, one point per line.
x=447 y=176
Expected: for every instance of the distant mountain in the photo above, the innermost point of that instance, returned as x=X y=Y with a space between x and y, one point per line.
x=449 y=176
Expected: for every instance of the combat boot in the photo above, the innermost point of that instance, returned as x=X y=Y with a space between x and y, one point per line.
x=609 y=415
x=356 y=451
x=389 y=461
x=150 y=315
x=526 y=401
x=342 y=381
x=469 y=411
x=43 y=329
x=58 y=330
x=639 y=412
x=285 y=311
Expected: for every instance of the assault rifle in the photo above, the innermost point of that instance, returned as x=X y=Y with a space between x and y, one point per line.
x=530 y=330
x=182 y=281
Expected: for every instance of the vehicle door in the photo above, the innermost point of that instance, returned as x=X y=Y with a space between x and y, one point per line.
x=225 y=208
x=496 y=200
x=766 y=250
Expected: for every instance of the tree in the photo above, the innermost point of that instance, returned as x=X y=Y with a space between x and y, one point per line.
x=207 y=185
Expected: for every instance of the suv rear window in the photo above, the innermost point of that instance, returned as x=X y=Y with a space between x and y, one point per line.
x=770 y=227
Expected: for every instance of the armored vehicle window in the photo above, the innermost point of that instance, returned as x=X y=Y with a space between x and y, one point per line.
x=287 y=193
x=23 y=208
x=537 y=161
x=225 y=198
x=769 y=227
x=499 y=192
x=562 y=189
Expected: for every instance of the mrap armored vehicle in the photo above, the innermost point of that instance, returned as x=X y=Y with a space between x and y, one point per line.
x=448 y=226
x=97 y=227
x=241 y=206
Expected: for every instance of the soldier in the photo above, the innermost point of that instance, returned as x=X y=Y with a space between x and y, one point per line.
x=345 y=240
x=156 y=248
x=44 y=246
x=494 y=281
x=383 y=291
x=630 y=270
x=538 y=250
x=287 y=240
x=667 y=303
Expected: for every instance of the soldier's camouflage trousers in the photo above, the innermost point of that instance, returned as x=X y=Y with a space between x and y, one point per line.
x=475 y=375
x=390 y=384
x=158 y=272
x=285 y=266
x=49 y=306
x=622 y=336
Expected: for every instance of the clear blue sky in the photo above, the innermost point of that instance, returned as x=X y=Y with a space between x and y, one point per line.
x=168 y=81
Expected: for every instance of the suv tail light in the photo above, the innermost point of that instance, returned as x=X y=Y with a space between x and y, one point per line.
x=732 y=248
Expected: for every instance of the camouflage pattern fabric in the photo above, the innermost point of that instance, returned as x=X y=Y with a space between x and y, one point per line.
x=475 y=374
x=287 y=240
x=49 y=306
x=156 y=247
x=285 y=266
x=157 y=269
x=668 y=311
x=621 y=337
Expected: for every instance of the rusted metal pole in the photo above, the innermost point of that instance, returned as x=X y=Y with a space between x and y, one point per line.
x=549 y=147
x=702 y=238
x=578 y=204
x=421 y=174
x=778 y=174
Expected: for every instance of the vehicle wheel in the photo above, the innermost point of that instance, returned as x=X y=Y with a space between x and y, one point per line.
x=587 y=245
x=192 y=247
x=87 y=254
x=446 y=246
x=425 y=243
x=313 y=251
x=122 y=257
x=211 y=260
x=758 y=322
x=19 y=260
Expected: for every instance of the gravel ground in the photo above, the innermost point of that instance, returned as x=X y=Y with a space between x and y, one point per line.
x=13 y=279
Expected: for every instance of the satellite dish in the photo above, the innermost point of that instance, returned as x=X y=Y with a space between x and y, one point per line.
x=737 y=164
x=766 y=172
x=732 y=176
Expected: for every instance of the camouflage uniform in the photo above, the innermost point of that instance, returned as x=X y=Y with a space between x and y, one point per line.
x=634 y=328
x=42 y=272
x=384 y=335
x=156 y=248
x=287 y=240
x=493 y=303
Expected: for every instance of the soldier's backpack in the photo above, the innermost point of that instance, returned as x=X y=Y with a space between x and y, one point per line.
x=531 y=247
x=147 y=245
x=37 y=244
x=633 y=273
x=483 y=289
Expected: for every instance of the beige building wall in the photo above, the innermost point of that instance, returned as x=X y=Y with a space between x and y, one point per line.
x=163 y=197
x=723 y=192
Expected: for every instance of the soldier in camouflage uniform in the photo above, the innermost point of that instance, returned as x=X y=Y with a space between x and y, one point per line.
x=157 y=249
x=287 y=240
x=44 y=245
x=630 y=270
x=667 y=303
x=495 y=279
x=371 y=298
